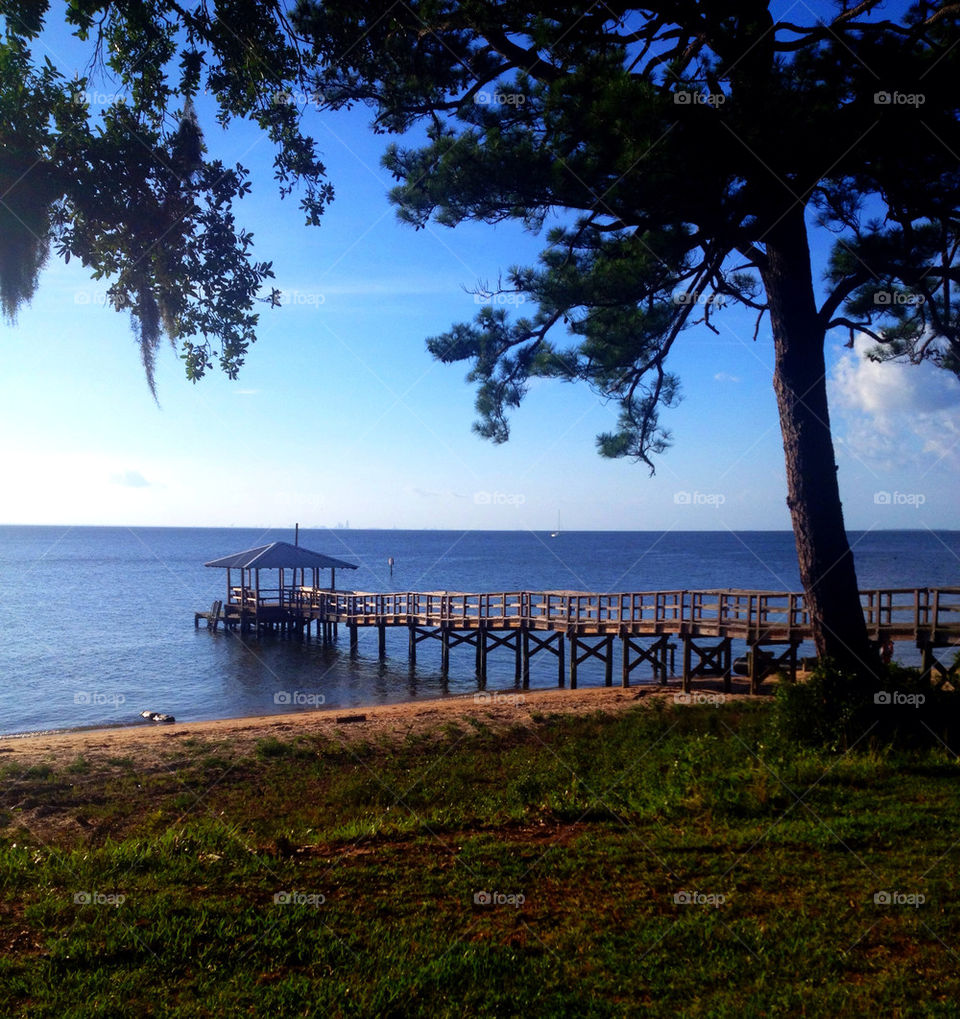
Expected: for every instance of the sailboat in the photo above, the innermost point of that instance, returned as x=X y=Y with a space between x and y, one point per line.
x=553 y=534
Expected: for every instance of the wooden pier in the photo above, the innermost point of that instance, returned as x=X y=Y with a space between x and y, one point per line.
x=576 y=626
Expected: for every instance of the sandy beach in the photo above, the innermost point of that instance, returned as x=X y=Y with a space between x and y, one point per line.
x=152 y=743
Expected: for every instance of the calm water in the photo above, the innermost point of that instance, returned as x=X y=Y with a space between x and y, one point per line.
x=97 y=623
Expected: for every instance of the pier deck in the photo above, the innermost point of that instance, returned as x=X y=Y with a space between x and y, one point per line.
x=531 y=621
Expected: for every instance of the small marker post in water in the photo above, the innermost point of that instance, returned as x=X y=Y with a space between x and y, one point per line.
x=390 y=564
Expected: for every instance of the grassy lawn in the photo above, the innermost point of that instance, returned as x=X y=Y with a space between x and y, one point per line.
x=664 y=860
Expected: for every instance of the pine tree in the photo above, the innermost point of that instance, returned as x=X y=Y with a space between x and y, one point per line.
x=688 y=149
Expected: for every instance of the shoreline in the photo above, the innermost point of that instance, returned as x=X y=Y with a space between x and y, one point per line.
x=500 y=709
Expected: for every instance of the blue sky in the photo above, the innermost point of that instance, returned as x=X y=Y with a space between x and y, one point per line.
x=341 y=415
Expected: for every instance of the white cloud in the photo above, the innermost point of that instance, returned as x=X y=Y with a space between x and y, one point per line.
x=725 y=377
x=893 y=412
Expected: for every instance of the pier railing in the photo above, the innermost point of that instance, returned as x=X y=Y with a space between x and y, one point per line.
x=891 y=613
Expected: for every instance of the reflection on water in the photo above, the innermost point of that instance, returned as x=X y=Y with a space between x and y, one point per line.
x=279 y=674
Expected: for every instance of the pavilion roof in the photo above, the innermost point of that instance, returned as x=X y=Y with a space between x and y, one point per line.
x=280 y=555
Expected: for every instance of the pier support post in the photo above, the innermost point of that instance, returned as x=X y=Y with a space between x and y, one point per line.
x=933 y=669
x=382 y=641
x=580 y=651
x=926 y=661
x=791 y=661
x=764 y=663
x=412 y=643
x=517 y=658
x=711 y=661
x=525 y=658
x=444 y=651
x=482 y=657
x=656 y=655
x=756 y=668
x=354 y=638
x=530 y=642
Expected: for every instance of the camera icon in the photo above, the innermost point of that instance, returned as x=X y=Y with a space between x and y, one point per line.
x=882 y=697
x=82 y=697
x=682 y=898
x=883 y=297
x=882 y=498
x=282 y=697
x=882 y=898
x=882 y=98
x=482 y=898
x=682 y=98
x=82 y=898
x=682 y=498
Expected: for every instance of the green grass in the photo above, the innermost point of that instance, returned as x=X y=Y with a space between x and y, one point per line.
x=311 y=877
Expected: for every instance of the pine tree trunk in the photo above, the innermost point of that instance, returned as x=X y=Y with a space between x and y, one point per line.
x=826 y=562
